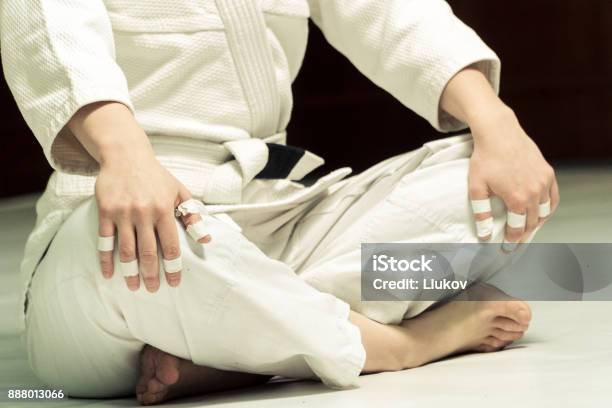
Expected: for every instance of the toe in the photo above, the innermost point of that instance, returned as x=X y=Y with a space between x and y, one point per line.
x=147 y=363
x=159 y=370
x=521 y=312
x=485 y=348
x=495 y=343
x=507 y=324
x=154 y=386
x=168 y=369
x=149 y=399
x=147 y=371
x=525 y=314
x=506 y=336
x=515 y=310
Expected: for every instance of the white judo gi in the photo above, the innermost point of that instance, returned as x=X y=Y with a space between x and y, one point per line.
x=210 y=82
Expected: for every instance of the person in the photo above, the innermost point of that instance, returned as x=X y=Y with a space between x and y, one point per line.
x=146 y=109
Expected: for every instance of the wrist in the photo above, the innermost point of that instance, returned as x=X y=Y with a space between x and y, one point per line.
x=125 y=149
x=111 y=134
x=487 y=120
x=488 y=111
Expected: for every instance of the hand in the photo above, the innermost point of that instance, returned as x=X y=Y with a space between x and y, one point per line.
x=136 y=196
x=508 y=164
x=505 y=162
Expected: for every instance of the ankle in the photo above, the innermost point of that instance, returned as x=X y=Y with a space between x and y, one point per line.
x=418 y=345
x=405 y=351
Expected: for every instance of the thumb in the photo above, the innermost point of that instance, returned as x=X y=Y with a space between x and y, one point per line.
x=193 y=219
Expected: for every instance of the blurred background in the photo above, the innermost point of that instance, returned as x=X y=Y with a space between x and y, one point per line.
x=556 y=74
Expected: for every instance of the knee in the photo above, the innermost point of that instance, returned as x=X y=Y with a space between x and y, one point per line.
x=62 y=371
x=73 y=360
x=440 y=195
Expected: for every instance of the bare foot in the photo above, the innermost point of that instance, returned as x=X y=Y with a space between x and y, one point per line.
x=465 y=325
x=164 y=377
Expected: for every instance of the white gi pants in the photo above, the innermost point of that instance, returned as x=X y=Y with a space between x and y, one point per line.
x=273 y=299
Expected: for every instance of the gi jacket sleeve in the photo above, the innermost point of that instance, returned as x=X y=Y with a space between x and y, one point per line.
x=410 y=48
x=58 y=56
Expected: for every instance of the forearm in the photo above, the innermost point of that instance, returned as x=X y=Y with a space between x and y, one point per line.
x=109 y=131
x=470 y=98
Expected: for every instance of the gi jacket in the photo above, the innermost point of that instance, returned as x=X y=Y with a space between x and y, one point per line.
x=210 y=81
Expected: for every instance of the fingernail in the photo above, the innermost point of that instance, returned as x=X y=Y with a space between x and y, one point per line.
x=508 y=246
x=206 y=239
x=133 y=286
x=173 y=279
x=151 y=284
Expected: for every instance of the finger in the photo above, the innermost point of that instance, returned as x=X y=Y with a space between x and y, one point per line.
x=127 y=254
x=533 y=219
x=515 y=225
x=196 y=228
x=147 y=255
x=544 y=210
x=555 y=197
x=168 y=237
x=192 y=219
x=481 y=207
x=106 y=244
x=183 y=195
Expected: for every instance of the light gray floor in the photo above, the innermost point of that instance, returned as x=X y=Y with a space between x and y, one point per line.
x=564 y=361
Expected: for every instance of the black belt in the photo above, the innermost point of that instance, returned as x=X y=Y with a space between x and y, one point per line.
x=282 y=160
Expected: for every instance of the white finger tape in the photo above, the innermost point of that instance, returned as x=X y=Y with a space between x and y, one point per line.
x=516 y=220
x=129 y=269
x=106 y=244
x=197 y=230
x=544 y=209
x=481 y=206
x=173 y=265
x=191 y=206
x=484 y=228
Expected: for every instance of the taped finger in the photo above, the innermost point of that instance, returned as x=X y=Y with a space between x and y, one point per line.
x=544 y=209
x=197 y=230
x=484 y=228
x=515 y=220
x=129 y=269
x=190 y=206
x=106 y=244
x=173 y=265
x=481 y=206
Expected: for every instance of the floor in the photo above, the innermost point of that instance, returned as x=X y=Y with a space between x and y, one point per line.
x=564 y=361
